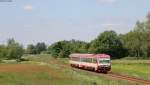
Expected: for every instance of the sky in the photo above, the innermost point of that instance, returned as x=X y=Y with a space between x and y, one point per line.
x=49 y=21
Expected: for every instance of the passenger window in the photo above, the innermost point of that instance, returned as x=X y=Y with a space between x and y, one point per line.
x=89 y=60
x=94 y=60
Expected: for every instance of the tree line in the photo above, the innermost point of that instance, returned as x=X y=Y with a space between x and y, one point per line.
x=135 y=43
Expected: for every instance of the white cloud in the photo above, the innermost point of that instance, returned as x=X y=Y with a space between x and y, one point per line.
x=106 y=1
x=28 y=7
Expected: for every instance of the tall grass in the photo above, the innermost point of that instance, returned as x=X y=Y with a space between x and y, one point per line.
x=50 y=71
x=137 y=68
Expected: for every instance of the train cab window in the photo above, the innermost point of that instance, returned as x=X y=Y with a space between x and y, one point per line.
x=104 y=61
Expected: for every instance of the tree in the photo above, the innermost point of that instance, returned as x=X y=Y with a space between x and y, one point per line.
x=65 y=48
x=108 y=42
x=138 y=41
x=14 y=50
x=3 y=51
x=11 y=41
x=79 y=46
x=132 y=41
x=147 y=23
x=40 y=47
x=31 y=49
x=36 y=49
x=60 y=49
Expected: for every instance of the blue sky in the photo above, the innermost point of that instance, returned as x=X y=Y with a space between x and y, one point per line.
x=31 y=21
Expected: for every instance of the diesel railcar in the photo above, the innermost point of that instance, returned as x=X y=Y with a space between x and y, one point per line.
x=95 y=62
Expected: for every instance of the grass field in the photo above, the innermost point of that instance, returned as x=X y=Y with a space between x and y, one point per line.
x=44 y=70
x=137 y=68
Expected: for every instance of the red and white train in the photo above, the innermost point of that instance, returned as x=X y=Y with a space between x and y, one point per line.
x=96 y=62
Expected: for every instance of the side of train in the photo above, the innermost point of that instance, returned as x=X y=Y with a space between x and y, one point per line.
x=95 y=62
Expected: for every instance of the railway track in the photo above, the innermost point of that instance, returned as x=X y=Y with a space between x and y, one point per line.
x=129 y=78
x=112 y=75
x=117 y=76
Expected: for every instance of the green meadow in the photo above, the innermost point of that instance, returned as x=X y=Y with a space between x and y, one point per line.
x=44 y=70
x=136 y=68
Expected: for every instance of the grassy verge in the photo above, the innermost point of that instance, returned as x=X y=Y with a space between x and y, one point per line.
x=137 y=68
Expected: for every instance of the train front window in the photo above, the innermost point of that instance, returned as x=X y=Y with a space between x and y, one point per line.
x=104 y=61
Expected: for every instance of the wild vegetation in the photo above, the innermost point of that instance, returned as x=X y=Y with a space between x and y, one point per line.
x=45 y=70
x=12 y=50
x=36 y=49
x=135 y=68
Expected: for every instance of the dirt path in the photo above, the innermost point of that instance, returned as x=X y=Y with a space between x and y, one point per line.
x=128 y=78
x=21 y=68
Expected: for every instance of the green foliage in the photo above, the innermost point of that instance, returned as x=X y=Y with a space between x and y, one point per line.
x=60 y=49
x=108 y=42
x=3 y=51
x=138 y=41
x=37 y=49
x=132 y=41
x=79 y=46
x=30 y=49
x=12 y=50
x=64 y=48
x=40 y=47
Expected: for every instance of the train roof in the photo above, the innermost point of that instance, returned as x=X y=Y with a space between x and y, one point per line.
x=89 y=55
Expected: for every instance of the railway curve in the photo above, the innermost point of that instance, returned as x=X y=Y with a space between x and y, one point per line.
x=118 y=76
